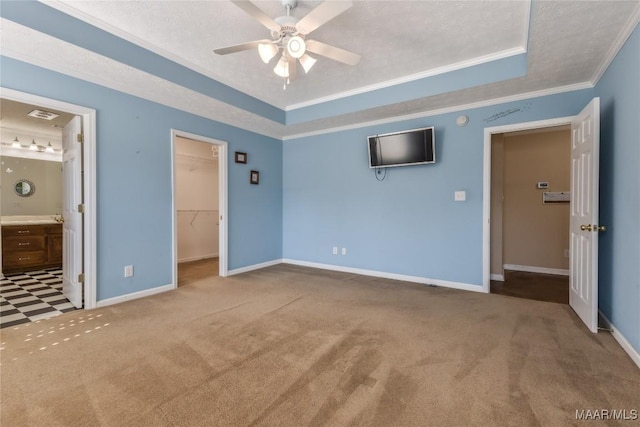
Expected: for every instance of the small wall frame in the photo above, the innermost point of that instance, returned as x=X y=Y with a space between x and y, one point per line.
x=254 y=177
x=241 y=157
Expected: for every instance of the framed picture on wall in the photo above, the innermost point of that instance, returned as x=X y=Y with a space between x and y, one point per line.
x=241 y=157
x=254 y=177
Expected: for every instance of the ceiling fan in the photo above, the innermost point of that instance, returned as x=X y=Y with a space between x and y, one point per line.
x=288 y=35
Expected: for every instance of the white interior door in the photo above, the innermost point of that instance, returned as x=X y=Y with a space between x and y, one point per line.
x=583 y=265
x=72 y=227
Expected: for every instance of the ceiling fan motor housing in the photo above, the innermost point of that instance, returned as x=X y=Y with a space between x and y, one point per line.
x=287 y=26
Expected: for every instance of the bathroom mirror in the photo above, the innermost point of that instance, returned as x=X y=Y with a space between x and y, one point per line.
x=25 y=188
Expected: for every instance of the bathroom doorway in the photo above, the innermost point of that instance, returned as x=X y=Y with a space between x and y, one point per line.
x=43 y=247
x=199 y=208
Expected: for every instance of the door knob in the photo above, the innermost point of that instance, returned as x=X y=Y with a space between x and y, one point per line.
x=584 y=227
x=599 y=228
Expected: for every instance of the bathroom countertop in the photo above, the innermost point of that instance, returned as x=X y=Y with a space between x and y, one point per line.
x=28 y=220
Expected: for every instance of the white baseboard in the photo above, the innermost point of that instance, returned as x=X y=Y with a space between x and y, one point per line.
x=541 y=270
x=626 y=346
x=134 y=295
x=393 y=276
x=498 y=277
x=254 y=267
x=197 y=258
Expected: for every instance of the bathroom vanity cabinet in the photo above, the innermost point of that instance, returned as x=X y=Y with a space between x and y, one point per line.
x=31 y=247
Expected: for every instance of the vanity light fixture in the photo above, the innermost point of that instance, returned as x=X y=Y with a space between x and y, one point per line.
x=16 y=143
x=49 y=148
x=33 y=146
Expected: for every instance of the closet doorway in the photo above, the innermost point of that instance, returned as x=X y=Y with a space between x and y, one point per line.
x=530 y=236
x=199 y=207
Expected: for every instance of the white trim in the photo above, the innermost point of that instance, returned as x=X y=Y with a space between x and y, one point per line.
x=622 y=38
x=497 y=277
x=486 y=184
x=532 y=269
x=135 y=295
x=197 y=258
x=254 y=267
x=384 y=275
x=411 y=78
x=90 y=189
x=453 y=109
x=222 y=202
x=617 y=335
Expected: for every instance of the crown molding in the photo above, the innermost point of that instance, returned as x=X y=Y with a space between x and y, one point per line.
x=624 y=35
x=98 y=23
x=453 y=109
x=410 y=78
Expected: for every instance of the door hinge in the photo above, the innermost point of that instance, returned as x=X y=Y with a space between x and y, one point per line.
x=80 y=138
x=81 y=208
x=81 y=278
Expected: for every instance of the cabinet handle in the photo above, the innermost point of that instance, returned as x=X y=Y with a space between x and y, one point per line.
x=24 y=259
x=24 y=243
x=23 y=231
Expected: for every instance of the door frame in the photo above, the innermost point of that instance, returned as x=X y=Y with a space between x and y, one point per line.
x=89 y=238
x=486 y=186
x=222 y=201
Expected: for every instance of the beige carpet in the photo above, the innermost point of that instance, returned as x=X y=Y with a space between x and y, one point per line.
x=292 y=346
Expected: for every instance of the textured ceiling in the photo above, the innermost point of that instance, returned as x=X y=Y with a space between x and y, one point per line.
x=567 y=43
x=394 y=38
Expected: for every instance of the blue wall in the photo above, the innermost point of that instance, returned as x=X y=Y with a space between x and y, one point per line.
x=409 y=223
x=134 y=180
x=619 y=266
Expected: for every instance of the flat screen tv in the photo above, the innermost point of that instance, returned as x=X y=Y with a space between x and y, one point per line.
x=410 y=147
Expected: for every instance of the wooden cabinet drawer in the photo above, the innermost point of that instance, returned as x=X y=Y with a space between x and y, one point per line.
x=23 y=230
x=31 y=247
x=22 y=243
x=19 y=259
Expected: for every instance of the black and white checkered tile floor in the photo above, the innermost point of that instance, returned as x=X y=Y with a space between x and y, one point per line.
x=31 y=296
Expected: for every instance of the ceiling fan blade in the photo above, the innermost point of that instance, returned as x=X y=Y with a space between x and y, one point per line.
x=240 y=47
x=322 y=14
x=257 y=13
x=332 y=52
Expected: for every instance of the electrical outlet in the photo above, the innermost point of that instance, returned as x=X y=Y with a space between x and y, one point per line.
x=460 y=196
x=566 y=253
x=335 y=250
x=344 y=251
x=128 y=270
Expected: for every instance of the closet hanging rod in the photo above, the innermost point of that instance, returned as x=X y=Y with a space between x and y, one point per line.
x=204 y=159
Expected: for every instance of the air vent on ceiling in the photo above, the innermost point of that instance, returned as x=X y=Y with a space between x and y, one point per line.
x=45 y=115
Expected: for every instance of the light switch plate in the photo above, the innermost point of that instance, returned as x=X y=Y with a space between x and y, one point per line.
x=460 y=196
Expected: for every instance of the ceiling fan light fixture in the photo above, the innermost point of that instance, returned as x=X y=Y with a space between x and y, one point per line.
x=267 y=51
x=307 y=62
x=282 y=67
x=296 y=47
